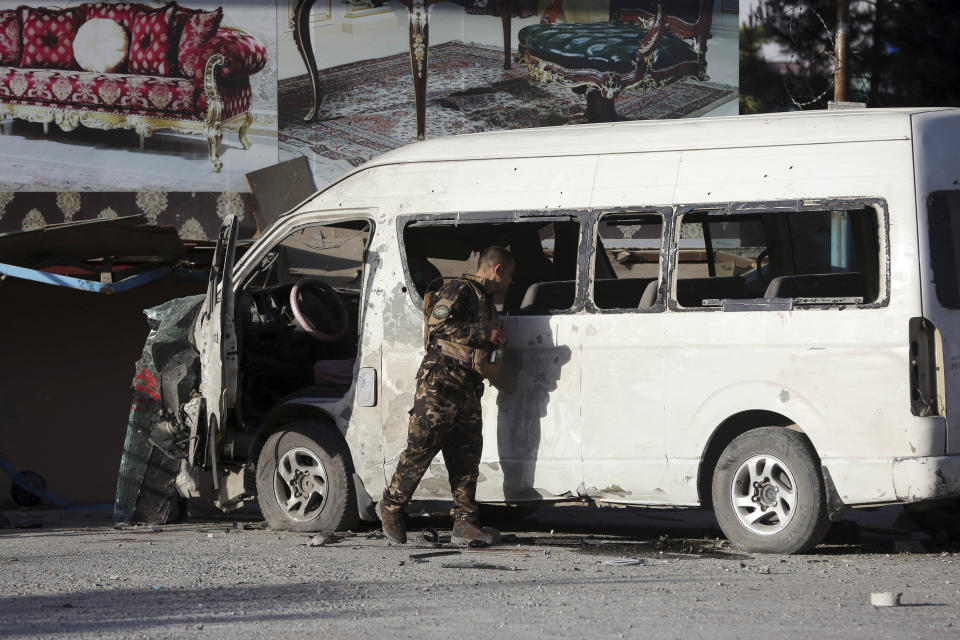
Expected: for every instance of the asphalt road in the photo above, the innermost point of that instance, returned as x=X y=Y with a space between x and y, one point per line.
x=74 y=575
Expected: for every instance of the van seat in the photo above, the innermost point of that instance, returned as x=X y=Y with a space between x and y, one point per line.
x=818 y=285
x=622 y=293
x=543 y=296
x=649 y=297
x=691 y=292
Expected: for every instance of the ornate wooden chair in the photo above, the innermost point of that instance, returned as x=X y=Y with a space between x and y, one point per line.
x=646 y=44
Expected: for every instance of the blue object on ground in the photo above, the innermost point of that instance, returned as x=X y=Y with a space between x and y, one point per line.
x=18 y=480
x=81 y=284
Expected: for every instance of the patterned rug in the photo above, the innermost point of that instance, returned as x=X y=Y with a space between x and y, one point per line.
x=368 y=106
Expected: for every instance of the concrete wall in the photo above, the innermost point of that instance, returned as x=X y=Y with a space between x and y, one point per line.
x=66 y=363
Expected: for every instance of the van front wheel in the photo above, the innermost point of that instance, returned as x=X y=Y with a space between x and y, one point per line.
x=768 y=494
x=304 y=481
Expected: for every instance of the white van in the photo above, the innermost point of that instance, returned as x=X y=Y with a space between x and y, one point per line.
x=758 y=314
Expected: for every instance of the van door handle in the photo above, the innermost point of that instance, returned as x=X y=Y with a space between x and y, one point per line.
x=367 y=387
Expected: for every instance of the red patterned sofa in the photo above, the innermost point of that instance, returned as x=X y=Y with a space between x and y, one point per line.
x=149 y=69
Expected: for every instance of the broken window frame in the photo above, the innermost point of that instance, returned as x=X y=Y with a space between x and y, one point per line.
x=253 y=271
x=580 y=216
x=249 y=271
x=666 y=215
x=721 y=210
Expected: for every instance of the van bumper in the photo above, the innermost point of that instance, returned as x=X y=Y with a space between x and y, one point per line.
x=916 y=479
x=875 y=481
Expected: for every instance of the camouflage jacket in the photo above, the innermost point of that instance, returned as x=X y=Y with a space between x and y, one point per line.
x=463 y=313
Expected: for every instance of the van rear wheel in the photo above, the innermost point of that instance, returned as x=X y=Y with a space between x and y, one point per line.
x=304 y=481
x=768 y=493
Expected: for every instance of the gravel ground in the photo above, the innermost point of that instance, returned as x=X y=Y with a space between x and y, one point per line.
x=75 y=575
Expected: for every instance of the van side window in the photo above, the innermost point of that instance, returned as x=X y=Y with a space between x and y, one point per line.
x=545 y=253
x=809 y=257
x=944 y=228
x=627 y=261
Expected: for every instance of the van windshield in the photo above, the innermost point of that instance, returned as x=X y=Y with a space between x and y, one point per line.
x=943 y=220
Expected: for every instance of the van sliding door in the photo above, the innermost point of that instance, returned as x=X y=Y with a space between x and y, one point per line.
x=531 y=420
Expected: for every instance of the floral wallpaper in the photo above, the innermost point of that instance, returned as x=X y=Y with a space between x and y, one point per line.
x=196 y=216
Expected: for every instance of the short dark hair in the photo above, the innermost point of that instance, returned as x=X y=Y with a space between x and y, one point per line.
x=494 y=255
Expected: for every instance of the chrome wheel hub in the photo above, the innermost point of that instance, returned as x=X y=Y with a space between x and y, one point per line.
x=764 y=494
x=300 y=484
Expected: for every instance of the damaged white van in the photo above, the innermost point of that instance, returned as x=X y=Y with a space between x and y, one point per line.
x=755 y=314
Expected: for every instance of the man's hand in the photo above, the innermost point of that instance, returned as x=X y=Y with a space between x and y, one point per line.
x=497 y=336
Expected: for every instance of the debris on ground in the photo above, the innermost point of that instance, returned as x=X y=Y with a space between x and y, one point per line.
x=422 y=557
x=256 y=526
x=622 y=562
x=322 y=540
x=430 y=536
x=476 y=565
x=909 y=546
x=885 y=599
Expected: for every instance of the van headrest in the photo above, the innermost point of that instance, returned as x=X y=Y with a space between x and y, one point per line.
x=818 y=285
x=544 y=296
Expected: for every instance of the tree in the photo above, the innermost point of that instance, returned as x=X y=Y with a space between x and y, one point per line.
x=760 y=86
x=902 y=52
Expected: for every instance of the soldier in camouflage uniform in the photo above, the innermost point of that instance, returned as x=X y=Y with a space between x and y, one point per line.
x=446 y=416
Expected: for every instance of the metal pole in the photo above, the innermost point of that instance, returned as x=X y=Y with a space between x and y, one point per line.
x=840 y=72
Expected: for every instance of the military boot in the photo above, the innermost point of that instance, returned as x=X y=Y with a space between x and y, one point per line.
x=467 y=532
x=392 y=522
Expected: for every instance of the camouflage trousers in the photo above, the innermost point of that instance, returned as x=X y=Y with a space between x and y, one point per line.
x=445 y=417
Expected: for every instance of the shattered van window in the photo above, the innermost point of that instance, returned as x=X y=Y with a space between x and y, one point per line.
x=545 y=253
x=627 y=261
x=801 y=255
x=333 y=253
x=943 y=219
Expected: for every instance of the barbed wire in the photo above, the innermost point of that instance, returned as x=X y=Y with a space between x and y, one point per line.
x=793 y=15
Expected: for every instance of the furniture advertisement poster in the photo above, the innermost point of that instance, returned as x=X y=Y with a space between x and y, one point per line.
x=110 y=109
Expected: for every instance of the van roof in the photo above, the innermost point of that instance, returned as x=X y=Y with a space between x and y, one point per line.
x=803 y=127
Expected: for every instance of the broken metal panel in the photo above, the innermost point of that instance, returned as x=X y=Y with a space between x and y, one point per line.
x=90 y=239
x=280 y=188
x=216 y=340
x=156 y=441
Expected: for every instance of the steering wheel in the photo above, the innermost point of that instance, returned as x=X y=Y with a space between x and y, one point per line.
x=760 y=274
x=319 y=310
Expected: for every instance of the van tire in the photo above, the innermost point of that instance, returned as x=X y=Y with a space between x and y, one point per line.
x=317 y=480
x=773 y=474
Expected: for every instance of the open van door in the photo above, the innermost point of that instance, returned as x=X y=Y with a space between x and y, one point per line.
x=216 y=339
